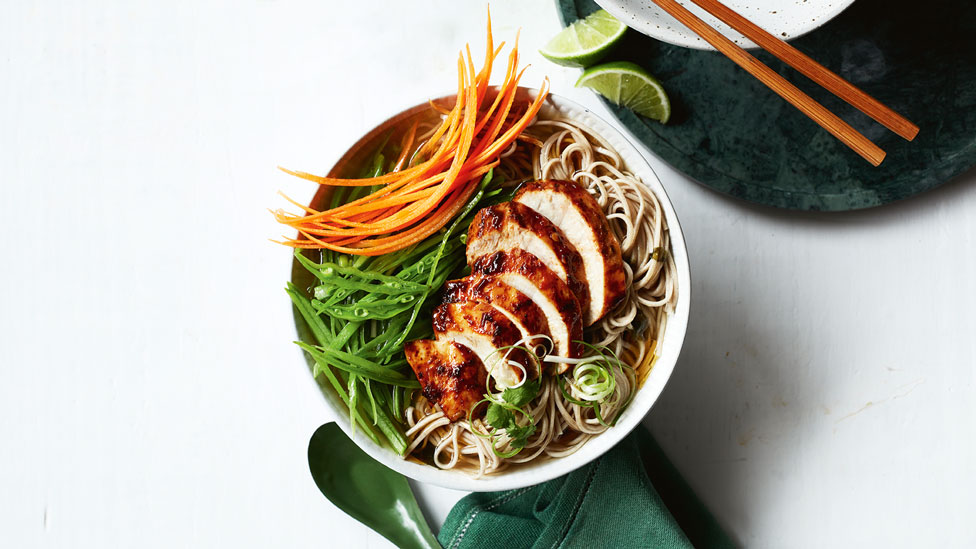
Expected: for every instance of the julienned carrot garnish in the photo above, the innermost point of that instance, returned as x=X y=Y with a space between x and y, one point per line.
x=414 y=201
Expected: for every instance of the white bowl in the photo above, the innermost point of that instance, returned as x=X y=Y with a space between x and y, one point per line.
x=534 y=473
x=786 y=20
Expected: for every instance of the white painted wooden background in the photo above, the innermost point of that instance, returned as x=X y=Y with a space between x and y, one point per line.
x=149 y=392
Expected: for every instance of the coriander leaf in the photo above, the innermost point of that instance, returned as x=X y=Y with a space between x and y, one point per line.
x=499 y=417
x=520 y=435
x=521 y=396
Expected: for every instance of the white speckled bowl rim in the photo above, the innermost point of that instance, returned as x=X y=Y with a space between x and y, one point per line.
x=785 y=19
x=535 y=473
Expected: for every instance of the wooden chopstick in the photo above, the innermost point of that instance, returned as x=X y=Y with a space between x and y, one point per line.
x=826 y=119
x=811 y=69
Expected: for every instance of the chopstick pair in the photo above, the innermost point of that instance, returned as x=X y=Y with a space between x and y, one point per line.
x=799 y=61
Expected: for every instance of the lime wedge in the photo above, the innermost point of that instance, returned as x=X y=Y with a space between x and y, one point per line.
x=630 y=86
x=586 y=41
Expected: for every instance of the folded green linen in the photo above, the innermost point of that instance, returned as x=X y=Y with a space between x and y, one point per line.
x=630 y=497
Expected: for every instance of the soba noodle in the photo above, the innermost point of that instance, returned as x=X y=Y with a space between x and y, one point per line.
x=556 y=148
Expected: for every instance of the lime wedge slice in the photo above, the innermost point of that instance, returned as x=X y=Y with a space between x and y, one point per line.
x=586 y=41
x=630 y=86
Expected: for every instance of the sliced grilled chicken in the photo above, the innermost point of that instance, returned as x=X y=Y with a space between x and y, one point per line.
x=527 y=274
x=490 y=334
x=451 y=375
x=582 y=221
x=512 y=225
x=522 y=311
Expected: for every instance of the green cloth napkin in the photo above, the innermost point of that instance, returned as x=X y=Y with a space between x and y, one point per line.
x=630 y=497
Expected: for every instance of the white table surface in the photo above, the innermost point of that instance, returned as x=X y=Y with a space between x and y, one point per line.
x=150 y=395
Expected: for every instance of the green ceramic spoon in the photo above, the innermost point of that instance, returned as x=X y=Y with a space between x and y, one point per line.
x=367 y=490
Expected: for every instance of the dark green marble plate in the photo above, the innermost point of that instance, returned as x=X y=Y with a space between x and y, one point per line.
x=732 y=134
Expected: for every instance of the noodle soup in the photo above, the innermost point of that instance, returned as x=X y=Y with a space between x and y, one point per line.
x=640 y=338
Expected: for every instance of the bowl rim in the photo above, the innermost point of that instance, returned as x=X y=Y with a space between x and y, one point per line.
x=671 y=345
x=685 y=38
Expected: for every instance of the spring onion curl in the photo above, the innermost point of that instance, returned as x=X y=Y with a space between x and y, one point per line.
x=591 y=382
x=564 y=417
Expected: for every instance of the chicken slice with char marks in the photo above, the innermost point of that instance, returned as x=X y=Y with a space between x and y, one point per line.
x=450 y=375
x=527 y=274
x=522 y=311
x=512 y=225
x=490 y=334
x=582 y=221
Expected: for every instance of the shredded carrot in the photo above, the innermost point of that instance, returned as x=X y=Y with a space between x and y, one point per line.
x=427 y=187
x=406 y=145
